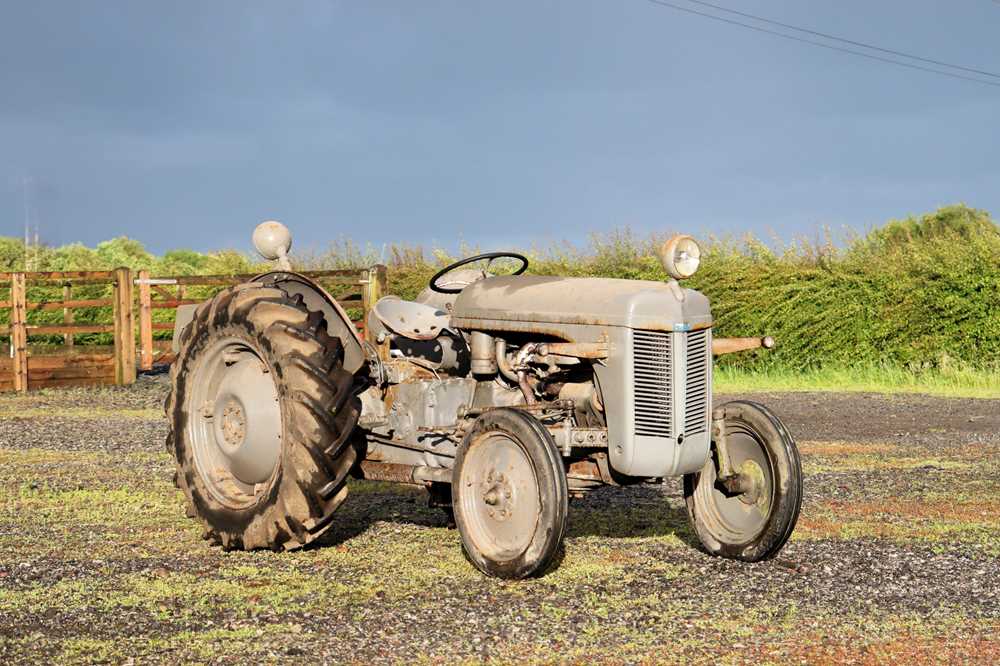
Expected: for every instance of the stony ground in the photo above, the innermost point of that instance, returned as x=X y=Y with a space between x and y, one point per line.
x=896 y=556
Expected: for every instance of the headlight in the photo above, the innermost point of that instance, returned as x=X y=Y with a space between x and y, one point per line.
x=272 y=239
x=680 y=257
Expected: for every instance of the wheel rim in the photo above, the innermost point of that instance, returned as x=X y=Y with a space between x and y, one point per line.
x=500 y=499
x=234 y=422
x=738 y=518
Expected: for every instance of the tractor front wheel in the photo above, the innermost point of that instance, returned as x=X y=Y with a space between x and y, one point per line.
x=509 y=495
x=750 y=520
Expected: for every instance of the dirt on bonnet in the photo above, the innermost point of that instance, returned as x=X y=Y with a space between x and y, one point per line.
x=896 y=556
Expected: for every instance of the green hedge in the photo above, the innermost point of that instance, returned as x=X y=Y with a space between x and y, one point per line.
x=919 y=293
x=923 y=292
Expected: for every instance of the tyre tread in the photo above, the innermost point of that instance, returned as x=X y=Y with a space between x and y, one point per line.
x=300 y=505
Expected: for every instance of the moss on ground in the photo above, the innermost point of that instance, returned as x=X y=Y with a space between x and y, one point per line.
x=99 y=564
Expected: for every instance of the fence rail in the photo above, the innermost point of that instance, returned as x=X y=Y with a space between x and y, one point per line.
x=139 y=307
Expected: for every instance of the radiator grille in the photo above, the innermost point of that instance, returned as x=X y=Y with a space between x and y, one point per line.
x=696 y=394
x=652 y=383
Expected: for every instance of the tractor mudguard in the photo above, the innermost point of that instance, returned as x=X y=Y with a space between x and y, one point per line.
x=339 y=325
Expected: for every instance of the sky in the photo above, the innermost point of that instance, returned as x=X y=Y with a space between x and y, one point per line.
x=496 y=124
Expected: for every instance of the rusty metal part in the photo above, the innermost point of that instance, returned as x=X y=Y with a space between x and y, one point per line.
x=581 y=394
x=389 y=441
x=753 y=484
x=410 y=474
x=403 y=370
x=443 y=432
x=522 y=381
x=515 y=373
x=737 y=483
x=732 y=345
x=725 y=467
x=605 y=469
x=503 y=365
x=376 y=365
x=555 y=405
x=593 y=350
x=586 y=470
x=583 y=475
x=590 y=473
x=748 y=481
x=568 y=437
x=234 y=424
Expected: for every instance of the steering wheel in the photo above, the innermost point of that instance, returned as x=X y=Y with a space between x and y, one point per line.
x=490 y=256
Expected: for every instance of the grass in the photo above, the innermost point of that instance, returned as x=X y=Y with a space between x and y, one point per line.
x=954 y=383
x=936 y=523
x=99 y=564
x=82 y=413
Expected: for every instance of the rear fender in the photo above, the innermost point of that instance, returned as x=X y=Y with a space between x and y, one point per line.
x=338 y=324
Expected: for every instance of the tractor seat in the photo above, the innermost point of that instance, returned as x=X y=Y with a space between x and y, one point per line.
x=410 y=319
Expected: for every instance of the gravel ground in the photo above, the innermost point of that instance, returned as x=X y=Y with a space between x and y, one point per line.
x=896 y=556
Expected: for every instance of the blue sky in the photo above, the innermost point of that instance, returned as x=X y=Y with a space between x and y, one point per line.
x=502 y=124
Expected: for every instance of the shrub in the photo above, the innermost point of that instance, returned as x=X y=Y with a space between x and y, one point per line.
x=921 y=292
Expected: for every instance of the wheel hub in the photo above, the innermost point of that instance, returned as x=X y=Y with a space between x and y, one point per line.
x=736 y=508
x=498 y=496
x=501 y=500
x=237 y=429
x=234 y=424
x=756 y=484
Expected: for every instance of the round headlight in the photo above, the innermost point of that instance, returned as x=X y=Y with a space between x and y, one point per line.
x=272 y=239
x=680 y=257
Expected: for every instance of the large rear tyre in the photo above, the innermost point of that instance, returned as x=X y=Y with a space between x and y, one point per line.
x=260 y=411
x=509 y=495
x=752 y=522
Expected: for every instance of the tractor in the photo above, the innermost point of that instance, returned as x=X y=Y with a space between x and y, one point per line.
x=504 y=394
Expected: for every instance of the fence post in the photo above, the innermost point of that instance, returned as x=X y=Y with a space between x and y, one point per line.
x=381 y=280
x=145 y=321
x=18 y=332
x=373 y=288
x=67 y=314
x=124 y=328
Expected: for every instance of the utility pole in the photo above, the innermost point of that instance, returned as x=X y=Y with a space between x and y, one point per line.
x=27 y=220
x=31 y=249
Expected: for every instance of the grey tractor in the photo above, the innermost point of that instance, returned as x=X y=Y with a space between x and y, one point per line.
x=504 y=394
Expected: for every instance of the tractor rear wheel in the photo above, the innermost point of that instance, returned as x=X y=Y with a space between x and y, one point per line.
x=261 y=412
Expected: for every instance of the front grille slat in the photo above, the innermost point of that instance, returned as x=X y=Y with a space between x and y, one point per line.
x=652 y=371
x=699 y=355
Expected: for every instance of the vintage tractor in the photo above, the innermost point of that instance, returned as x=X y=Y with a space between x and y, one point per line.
x=503 y=395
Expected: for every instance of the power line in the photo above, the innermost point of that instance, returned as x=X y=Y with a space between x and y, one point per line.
x=847 y=41
x=821 y=44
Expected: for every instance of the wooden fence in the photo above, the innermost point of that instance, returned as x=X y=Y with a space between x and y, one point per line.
x=119 y=304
